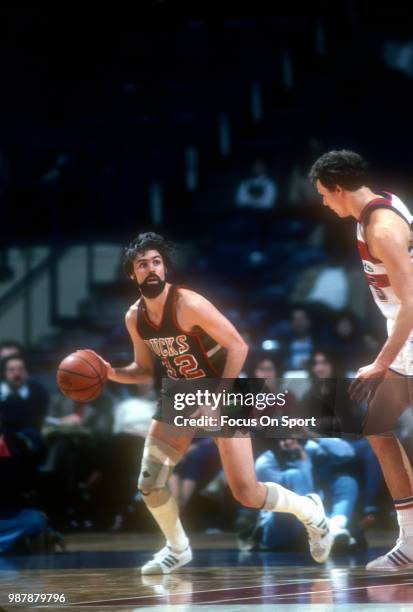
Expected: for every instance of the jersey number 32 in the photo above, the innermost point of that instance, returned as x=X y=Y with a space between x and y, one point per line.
x=186 y=365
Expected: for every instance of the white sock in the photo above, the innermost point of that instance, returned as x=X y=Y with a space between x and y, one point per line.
x=167 y=517
x=280 y=499
x=405 y=520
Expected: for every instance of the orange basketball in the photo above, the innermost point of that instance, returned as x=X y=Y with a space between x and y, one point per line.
x=82 y=376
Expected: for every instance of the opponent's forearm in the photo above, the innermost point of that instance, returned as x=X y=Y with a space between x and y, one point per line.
x=403 y=325
x=131 y=374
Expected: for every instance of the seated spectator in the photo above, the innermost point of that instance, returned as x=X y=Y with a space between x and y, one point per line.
x=23 y=406
x=327 y=398
x=331 y=459
x=349 y=339
x=22 y=528
x=323 y=464
x=77 y=438
x=296 y=337
x=134 y=413
x=363 y=465
x=291 y=462
x=23 y=403
x=288 y=464
x=259 y=192
x=268 y=367
x=132 y=418
x=300 y=342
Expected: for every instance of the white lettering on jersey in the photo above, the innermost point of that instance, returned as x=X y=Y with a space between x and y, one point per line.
x=168 y=347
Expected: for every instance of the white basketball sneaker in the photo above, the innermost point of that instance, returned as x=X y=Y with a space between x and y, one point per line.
x=319 y=535
x=400 y=557
x=166 y=561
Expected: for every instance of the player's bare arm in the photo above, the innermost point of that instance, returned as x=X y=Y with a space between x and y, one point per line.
x=142 y=367
x=388 y=238
x=195 y=310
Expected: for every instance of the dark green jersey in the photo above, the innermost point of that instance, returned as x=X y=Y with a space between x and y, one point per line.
x=183 y=354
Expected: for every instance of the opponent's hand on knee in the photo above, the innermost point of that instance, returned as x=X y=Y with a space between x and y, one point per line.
x=364 y=386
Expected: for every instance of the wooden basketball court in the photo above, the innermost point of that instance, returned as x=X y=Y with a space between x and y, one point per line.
x=101 y=571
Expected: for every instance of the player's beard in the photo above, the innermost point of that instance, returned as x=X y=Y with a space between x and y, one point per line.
x=152 y=290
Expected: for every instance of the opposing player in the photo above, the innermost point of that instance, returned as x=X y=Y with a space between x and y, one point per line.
x=192 y=339
x=384 y=242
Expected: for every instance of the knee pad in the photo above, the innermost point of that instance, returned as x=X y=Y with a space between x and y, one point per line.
x=158 y=462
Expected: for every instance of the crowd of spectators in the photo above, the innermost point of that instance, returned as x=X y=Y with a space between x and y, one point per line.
x=69 y=466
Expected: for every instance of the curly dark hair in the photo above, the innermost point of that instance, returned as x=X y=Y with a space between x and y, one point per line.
x=146 y=242
x=344 y=168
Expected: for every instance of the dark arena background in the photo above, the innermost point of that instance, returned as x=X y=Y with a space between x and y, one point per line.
x=117 y=121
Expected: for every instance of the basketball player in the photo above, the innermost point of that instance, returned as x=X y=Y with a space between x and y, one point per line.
x=384 y=242
x=192 y=339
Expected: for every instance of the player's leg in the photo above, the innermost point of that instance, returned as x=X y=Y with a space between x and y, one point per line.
x=182 y=489
x=238 y=463
x=393 y=394
x=390 y=400
x=175 y=486
x=161 y=453
x=277 y=531
x=397 y=470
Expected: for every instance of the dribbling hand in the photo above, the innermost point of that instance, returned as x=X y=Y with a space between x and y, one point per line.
x=109 y=368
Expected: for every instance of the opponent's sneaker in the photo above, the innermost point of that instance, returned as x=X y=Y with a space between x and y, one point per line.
x=319 y=534
x=400 y=557
x=166 y=561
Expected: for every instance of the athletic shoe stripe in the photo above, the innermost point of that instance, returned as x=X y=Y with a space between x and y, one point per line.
x=394 y=560
x=169 y=562
x=399 y=558
x=403 y=500
x=404 y=556
x=404 y=506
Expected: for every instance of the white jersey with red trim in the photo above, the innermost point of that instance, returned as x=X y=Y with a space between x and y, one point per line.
x=374 y=269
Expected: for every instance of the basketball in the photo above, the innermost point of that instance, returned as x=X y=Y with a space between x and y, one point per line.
x=82 y=376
